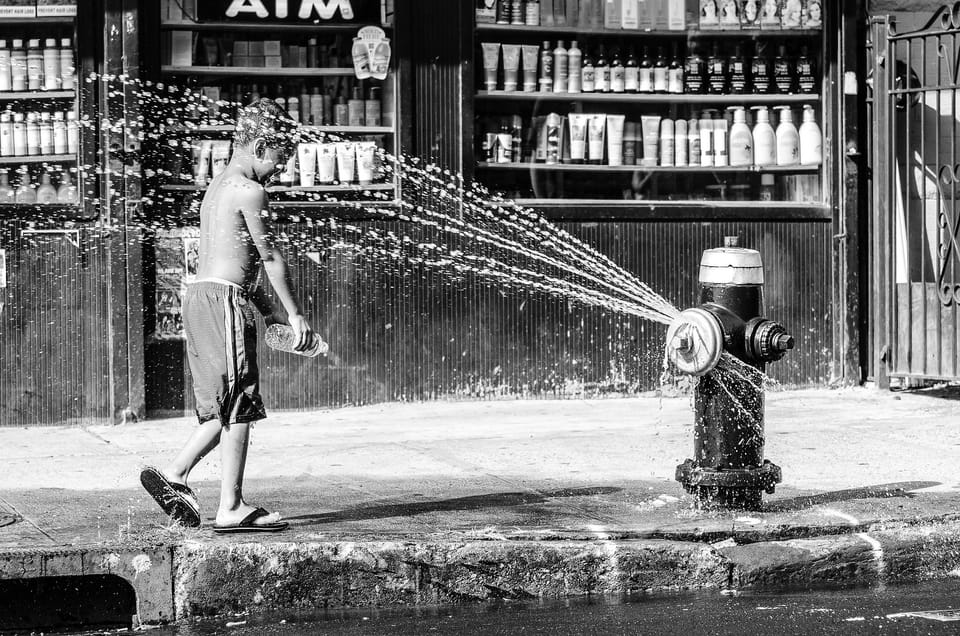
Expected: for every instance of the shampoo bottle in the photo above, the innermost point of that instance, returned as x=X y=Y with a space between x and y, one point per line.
x=560 y=68
x=764 y=139
x=741 y=140
x=788 y=139
x=811 y=139
x=574 y=62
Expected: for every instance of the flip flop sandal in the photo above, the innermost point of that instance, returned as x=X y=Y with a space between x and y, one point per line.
x=177 y=500
x=247 y=524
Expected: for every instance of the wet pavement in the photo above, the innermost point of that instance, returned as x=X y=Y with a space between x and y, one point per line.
x=428 y=503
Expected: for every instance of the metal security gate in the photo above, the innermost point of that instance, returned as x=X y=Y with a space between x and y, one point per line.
x=915 y=223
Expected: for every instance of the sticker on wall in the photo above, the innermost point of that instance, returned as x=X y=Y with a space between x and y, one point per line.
x=371 y=53
x=18 y=9
x=56 y=8
x=177 y=254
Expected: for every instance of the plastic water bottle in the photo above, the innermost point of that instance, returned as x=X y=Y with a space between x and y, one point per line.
x=281 y=338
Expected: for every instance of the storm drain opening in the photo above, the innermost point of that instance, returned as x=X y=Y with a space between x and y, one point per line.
x=61 y=602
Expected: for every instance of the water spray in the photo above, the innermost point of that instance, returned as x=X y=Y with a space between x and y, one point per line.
x=727 y=343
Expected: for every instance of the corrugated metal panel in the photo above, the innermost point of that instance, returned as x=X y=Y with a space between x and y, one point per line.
x=53 y=337
x=437 y=86
x=412 y=333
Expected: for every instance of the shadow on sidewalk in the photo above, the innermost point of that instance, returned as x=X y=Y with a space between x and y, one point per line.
x=880 y=491
x=473 y=502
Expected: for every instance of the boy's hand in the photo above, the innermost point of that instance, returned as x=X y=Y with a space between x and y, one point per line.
x=303 y=334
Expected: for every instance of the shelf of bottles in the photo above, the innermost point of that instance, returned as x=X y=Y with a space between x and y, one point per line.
x=674 y=107
x=348 y=127
x=39 y=132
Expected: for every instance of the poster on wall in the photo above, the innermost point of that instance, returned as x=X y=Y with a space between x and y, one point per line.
x=177 y=254
x=322 y=11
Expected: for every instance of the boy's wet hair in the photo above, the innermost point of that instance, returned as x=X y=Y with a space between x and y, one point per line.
x=266 y=119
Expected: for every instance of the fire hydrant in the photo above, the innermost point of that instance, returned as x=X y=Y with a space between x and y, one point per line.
x=728 y=469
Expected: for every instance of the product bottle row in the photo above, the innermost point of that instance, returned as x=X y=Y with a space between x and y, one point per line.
x=313 y=164
x=38 y=134
x=702 y=141
x=633 y=15
x=53 y=185
x=618 y=69
x=334 y=102
x=36 y=68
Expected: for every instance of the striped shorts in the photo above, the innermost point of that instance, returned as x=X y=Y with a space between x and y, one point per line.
x=221 y=331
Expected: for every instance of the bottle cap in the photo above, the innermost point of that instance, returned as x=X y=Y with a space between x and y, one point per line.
x=5 y=116
x=559 y=44
x=739 y=115
x=546 y=44
x=312 y=41
x=18 y=44
x=3 y=44
x=57 y=115
x=808 y=113
x=766 y=179
x=45 y=116
x=65 y=43
x=763 y=115
x=51 y=43
x=45 y=178
x=31 y=117
x=18 y=117
x=71 y=115
x=666 y=127
x=374 y=93
x=357 y=92
x=34 y=44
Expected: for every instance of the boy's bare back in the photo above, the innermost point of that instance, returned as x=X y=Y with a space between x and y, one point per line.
x=228 y=244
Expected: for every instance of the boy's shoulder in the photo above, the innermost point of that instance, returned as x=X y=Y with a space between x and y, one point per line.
x=243 y=189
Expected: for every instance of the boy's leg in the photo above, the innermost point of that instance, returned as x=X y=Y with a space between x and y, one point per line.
x=203 y=440
x=233 y=460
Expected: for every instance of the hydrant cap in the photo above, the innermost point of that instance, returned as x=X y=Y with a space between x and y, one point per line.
x=694 y=341
x=731 y=266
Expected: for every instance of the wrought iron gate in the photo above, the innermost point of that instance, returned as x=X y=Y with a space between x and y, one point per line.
x=915 y=220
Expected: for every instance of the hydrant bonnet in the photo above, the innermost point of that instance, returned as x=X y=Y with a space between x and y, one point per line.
x=731 y=266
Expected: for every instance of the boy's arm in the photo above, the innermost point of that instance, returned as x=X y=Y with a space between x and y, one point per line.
x=253 y=205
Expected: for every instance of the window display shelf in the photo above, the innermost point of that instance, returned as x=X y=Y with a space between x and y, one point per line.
x=66 y=20
x=761 y=99
x=229 y=128
x=271 y=27
x=36 y=95
x=6 y=161
x=246 y=71
x=650 y=209
x=682 y=33
x=587 y=167
x=372 y=187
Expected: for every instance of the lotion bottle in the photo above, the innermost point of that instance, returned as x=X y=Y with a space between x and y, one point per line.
x=811 y=139
x=764 y=139
x=741 y=140
x=560 y=69
x=788 y=139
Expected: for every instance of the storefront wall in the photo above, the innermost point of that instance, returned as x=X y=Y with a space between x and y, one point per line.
x=405 y=334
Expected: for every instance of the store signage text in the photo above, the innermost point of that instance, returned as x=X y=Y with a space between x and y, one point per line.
x=324 y=9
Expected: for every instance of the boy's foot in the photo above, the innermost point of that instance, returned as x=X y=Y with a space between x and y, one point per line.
x=177 y=500
x=256 y=520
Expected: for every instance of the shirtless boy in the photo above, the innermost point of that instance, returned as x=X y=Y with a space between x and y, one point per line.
x=220 y=325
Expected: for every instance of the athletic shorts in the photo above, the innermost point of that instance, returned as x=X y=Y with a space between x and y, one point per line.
x=221 y=331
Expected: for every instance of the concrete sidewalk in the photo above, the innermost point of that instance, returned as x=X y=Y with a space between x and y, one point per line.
x=448 y=501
